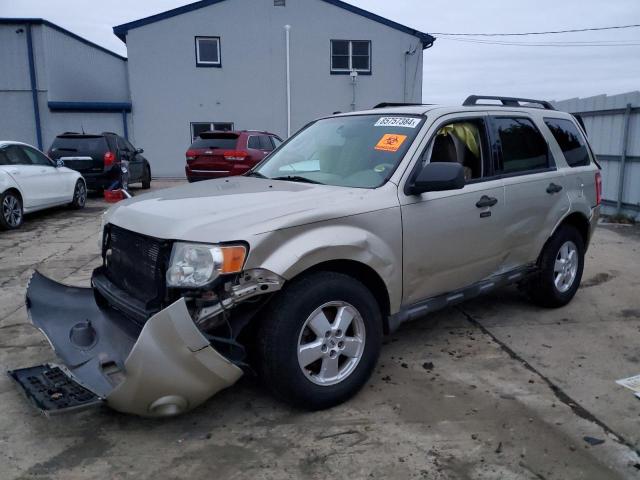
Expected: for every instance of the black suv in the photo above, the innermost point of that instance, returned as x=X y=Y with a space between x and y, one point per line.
x=98 y=158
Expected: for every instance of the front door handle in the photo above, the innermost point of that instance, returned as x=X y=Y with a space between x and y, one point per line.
x=486 y=201
x=553 y=188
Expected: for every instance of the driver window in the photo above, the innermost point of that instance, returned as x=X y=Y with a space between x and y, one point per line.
x=462 y=142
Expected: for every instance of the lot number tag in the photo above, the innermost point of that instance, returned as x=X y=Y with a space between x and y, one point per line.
x=406 y=122
x=391 y=142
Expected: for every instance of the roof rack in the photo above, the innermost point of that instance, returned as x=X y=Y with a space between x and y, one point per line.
x=399 y=104
x=472 y=101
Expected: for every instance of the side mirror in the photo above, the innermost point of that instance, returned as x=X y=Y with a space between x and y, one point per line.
x=438 y=176
x=59 y=163
x=139 y=150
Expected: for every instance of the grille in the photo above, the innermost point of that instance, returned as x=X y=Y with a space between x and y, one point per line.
x=135 y=263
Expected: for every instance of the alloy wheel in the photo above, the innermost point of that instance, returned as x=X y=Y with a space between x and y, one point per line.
x=80 y=194
x=566 y=266
x=11 y=210
x=331 y=343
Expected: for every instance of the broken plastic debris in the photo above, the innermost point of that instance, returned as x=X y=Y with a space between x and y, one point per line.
x=593 y=441
x=632 y=383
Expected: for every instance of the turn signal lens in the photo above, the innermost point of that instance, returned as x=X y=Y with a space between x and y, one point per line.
x=233 y=259
x=598 y=188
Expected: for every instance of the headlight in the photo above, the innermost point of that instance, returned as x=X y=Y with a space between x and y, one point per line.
x=194 y=265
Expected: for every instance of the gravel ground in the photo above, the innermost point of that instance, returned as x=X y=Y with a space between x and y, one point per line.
x=495 y=388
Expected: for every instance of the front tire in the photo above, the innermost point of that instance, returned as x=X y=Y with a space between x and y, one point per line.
x=79 y=195
x=560 y=269
x=11 y=214
x=320 y=340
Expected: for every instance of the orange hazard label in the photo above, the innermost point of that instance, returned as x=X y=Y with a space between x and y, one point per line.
x=390 y=142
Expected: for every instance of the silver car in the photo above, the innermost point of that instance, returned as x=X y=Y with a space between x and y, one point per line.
x=295 y=271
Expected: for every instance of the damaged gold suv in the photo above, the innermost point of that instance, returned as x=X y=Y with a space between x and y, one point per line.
x=296 y=270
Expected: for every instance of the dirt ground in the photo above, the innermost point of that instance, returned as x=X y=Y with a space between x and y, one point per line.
x=495 y=388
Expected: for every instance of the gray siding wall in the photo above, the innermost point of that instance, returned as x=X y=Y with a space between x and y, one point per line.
x=16 y=120
x=77 y=72
x=168 y=90
x=604 y=120
x=66 y=70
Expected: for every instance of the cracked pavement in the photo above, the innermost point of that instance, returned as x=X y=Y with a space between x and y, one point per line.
x=494 y=388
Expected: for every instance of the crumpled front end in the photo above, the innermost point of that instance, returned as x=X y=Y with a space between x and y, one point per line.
x=163 y=368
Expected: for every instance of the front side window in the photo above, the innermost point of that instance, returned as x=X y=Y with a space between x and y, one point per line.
x=348 y=55
x=353 y=151
x=463 y=142
x=523 y=146
x=208 y=52
x=570 y=140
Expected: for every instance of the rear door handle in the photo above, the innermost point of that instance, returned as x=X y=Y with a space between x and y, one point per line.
x=486 y=201
x=14 y=172
x=553 y=188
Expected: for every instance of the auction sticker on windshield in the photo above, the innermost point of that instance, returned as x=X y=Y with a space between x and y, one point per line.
x=406 y=122
x=391 y=142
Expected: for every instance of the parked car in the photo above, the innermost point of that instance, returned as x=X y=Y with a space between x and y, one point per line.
x=30 y=181
x=224 y=154
x=98 y=158
x=358 y=223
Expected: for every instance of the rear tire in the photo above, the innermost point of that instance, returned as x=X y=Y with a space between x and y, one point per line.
x=11 y=212
x=79 y=195
x=320 y=340
x=560 y=269
x=146 y=178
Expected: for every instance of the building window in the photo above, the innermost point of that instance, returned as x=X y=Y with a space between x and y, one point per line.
x=198 y=127
x=348 y=55
x=208 y=52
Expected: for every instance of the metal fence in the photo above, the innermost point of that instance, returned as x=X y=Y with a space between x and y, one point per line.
x=613 y=126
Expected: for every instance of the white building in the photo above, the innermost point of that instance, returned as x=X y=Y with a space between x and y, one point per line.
x=223 y=64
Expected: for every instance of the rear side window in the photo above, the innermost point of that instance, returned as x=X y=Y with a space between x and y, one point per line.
x=254 y=142
x=221 y=141
x=74 y=145
x=3 y=158
x=16 y=156
x=523 y=146
x=571 y=141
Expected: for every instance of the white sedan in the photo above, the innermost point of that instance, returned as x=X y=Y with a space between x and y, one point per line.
x=30 y=181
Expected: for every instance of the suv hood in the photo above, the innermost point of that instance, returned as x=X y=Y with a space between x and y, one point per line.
x=236 y=208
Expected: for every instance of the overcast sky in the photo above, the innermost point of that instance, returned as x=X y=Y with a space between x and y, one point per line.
x=452 y=68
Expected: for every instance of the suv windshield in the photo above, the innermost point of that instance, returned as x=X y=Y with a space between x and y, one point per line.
x=355 y=151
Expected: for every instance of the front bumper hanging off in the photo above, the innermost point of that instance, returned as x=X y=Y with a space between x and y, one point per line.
x=164 y=368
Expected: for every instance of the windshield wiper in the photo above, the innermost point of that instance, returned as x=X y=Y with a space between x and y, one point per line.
x=298 y=178
x=255 y=174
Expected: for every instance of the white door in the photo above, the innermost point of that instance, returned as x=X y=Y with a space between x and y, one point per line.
x=57 y=183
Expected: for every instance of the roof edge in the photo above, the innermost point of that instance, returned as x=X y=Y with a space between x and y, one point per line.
x=75 y=36
x=121 y=30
